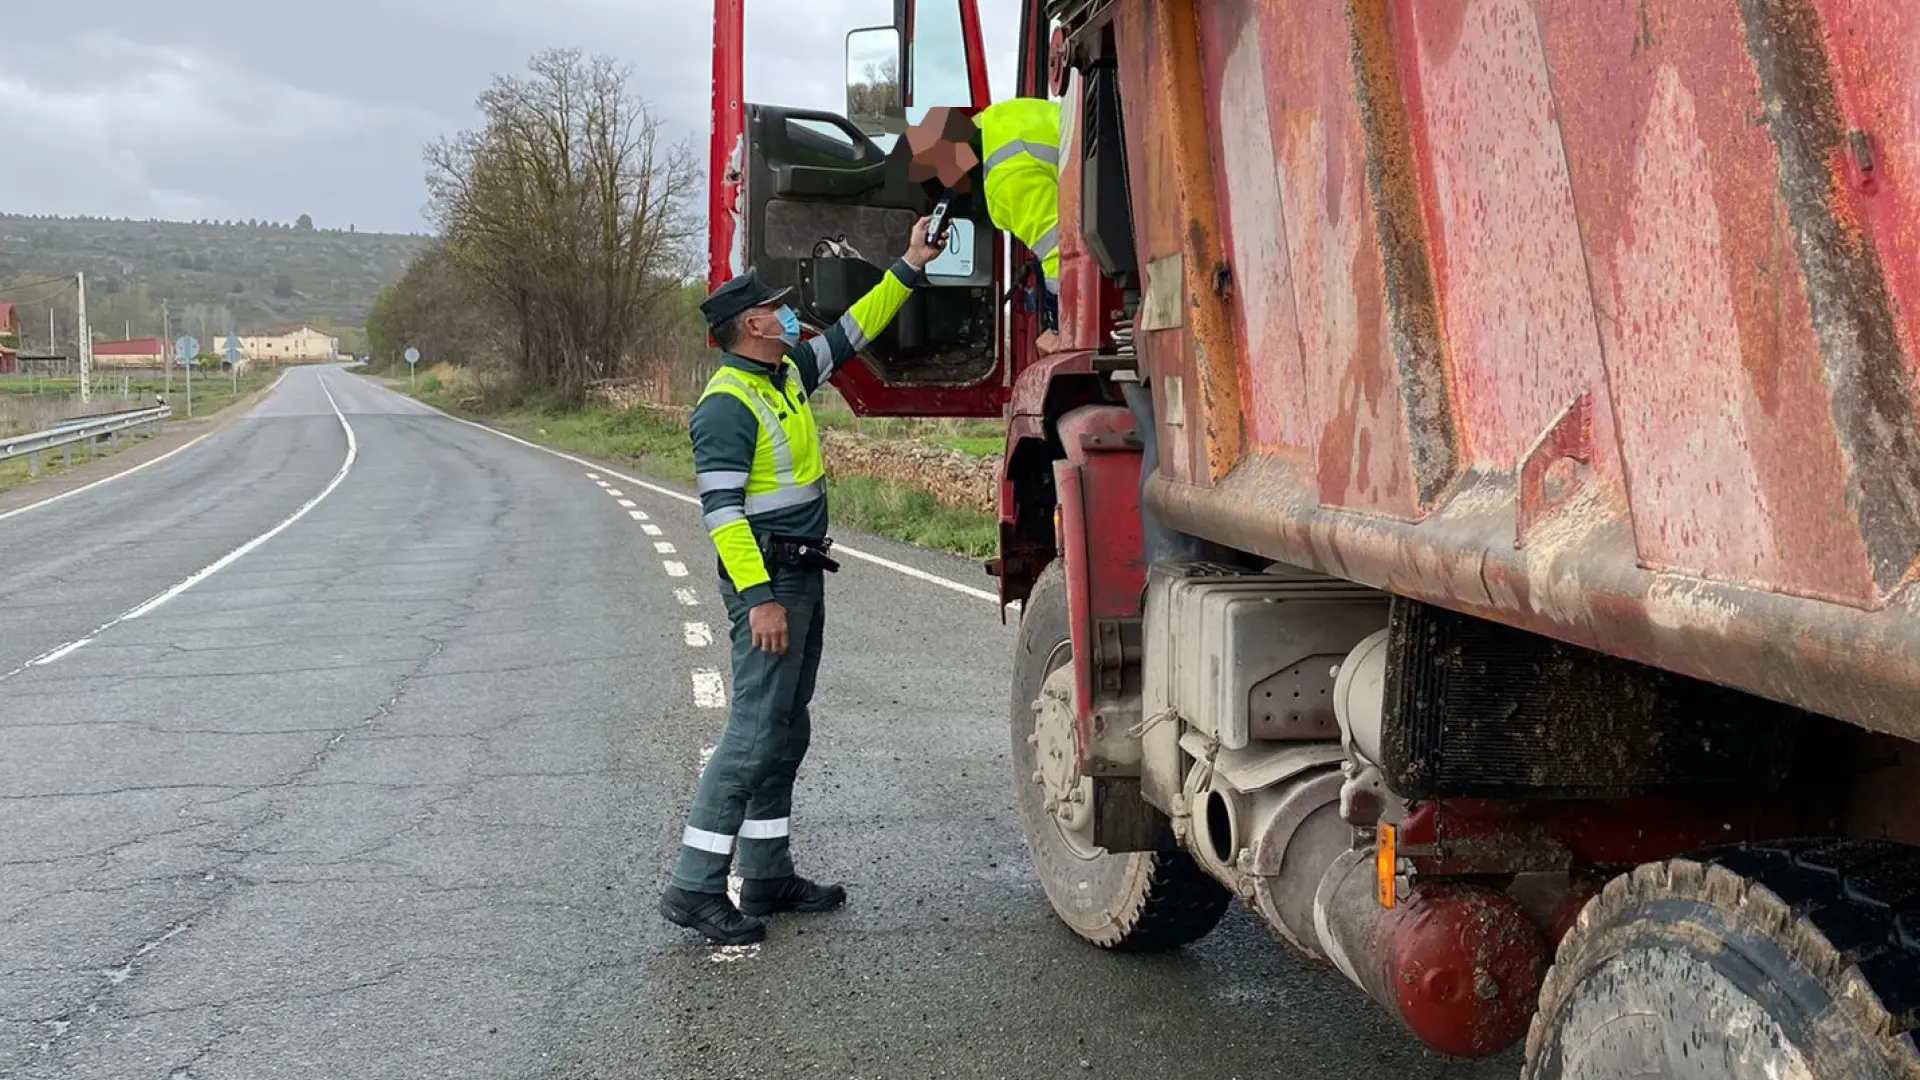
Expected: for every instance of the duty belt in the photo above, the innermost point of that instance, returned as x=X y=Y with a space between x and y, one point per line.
x=802 y=552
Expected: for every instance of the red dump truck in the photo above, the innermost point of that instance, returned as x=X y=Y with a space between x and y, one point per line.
x=1473 y=514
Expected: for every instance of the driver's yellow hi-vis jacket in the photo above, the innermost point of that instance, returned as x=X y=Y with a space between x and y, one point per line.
x=1020 y=142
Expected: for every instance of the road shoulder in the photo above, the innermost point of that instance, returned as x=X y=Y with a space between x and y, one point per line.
x=174 y=436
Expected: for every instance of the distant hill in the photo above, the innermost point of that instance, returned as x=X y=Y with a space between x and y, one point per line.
x=216 y=275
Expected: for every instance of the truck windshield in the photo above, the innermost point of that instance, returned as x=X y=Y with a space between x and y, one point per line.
x=939 y=58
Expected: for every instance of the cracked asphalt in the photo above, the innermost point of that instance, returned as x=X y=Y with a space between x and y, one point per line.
x=393 y=795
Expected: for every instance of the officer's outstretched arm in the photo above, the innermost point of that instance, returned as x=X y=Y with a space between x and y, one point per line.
x=819 y=357
x=725 y=433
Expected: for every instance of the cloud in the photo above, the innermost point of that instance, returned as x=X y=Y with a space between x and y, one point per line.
x=242 y=109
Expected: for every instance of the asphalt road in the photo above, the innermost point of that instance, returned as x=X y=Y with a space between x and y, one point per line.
x=391 y=793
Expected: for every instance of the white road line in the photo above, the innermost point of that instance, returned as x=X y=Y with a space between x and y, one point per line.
x=637 y=515
x=224 y=561
x=593 y=476
x=706 y=755
x=627 y=504
x=917 y=574
x=70 y=647
x=650 y=530
x=603 y=483
x=105 y=480
x=687 y=597
x=616 y=493
x=698 y=634
x=675 y=569
x=709 y=690
x=664 y=548
x=842 y=549
x=733 y=954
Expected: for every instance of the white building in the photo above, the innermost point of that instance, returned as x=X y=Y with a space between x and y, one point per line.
x=300 y=344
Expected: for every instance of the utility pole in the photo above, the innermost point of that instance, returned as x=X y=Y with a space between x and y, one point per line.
x=85 y=344
x=166 y=347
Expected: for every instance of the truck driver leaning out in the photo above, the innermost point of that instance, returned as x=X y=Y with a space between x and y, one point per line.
x=763 y=491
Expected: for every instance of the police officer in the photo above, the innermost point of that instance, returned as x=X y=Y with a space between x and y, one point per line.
x=763 y=491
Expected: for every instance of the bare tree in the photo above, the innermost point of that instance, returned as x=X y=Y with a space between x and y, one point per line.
x=571 y=211
x=877 y=94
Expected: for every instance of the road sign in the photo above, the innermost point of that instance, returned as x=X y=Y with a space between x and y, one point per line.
x=186 y=348
x=412 y=355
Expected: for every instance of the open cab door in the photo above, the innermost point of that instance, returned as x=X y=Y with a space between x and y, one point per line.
x=819 y=201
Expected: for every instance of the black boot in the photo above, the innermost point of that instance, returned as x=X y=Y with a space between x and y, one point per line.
x=713 y=915
x=770 y=897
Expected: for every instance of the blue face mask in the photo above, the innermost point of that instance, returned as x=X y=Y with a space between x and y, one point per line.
x=789 y=325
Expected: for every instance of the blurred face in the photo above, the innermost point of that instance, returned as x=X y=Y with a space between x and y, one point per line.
x=940 y=149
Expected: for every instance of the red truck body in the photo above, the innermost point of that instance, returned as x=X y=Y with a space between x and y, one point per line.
x=1595 y=318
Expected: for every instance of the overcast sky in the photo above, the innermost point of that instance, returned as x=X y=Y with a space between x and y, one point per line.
x=274 y=108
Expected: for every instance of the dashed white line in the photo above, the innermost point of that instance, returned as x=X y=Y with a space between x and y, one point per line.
x=698 y=634
x=593 y=476
x=627 y=504
x=709 y=690
x=650 y=530
x=664 y=548
x=637 y=515
x=733 y=954
x=603 y=483
x=706 y=755
x=687 y=597
x=616 y=493
x=675 y=569
x=231 y=557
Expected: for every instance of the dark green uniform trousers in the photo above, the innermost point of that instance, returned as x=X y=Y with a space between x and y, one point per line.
x=746 y=793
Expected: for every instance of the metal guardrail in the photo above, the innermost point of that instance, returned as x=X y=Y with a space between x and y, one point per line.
x=79 y=430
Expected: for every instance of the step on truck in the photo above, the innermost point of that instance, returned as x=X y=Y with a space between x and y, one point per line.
x=1471 y=517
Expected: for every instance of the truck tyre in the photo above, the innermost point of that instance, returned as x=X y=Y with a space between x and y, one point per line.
x=1137 y=901
x=1798 y=961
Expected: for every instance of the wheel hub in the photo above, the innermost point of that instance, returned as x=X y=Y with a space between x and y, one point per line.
x=1055 y=739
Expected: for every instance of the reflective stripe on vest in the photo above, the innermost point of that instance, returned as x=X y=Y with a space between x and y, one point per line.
x=799 y=495
x=784 y=491
x=1041 y=152
x=1046 y=243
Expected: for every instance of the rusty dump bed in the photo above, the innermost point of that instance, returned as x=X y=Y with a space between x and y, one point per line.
x=1596 y=317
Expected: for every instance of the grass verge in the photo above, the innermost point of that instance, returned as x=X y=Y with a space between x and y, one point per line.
x=210 y=396
x=660 y=450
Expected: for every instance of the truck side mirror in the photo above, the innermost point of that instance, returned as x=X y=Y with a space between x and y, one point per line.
x=874 y=99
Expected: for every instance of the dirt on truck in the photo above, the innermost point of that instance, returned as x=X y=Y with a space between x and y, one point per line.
x=1472 y=513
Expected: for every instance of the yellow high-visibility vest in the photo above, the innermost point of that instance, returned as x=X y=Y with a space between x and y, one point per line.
x=1020 y=140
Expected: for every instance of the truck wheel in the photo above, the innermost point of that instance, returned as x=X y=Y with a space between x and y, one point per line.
x=1797 y=961
x=1139 y=901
